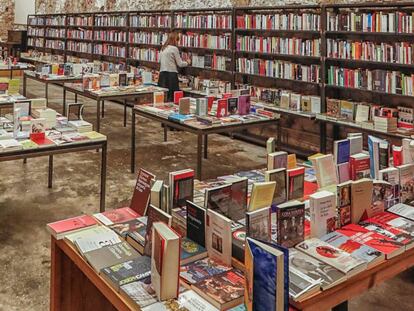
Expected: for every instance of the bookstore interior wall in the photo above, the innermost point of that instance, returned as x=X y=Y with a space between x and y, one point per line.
x=6 y=16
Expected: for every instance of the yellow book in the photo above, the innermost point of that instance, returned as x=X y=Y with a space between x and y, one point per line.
x=291 y=161
x=14 y=87
x=314 y=156
x=262 y=195
x=94 y=135
x=55 y=69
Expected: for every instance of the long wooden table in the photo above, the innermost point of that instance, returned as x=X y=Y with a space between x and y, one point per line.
x=52 y=150
x=76 y=286
x=201 y=132
x=14 y=68
x=123 y=97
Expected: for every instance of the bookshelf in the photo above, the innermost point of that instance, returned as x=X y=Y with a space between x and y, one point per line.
x=310 y=50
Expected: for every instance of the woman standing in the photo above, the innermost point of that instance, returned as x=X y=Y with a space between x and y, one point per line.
x=170 y=60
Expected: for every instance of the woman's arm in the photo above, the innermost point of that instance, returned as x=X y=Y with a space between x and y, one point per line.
x=178 y=60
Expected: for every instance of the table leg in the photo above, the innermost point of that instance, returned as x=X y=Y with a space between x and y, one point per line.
x=55 y=276
x=24 y=84
x=341 y=307
x=205 y=146
x=199 y=155
x=64 y=101
x=103 y=177
x=125 y=113
x=98 y=115
x=103 y=109
x=165 y=132
x=76 y=97
x=50 y=180
x=279 y=135
x=133 y=142
x=47 y=93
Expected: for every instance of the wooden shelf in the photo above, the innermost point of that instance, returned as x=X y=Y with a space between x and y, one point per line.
x=145 y=45
x=80 y=40
x=206 y=50
x=357 y=63
x=205 y=30
x=279 y=33
x=269 y=56
x=110 y=42
x=149 y=29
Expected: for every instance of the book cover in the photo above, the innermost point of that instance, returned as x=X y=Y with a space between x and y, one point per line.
x=196 y=223
x=315 y=269
x=379 y=190
x=262 y=195
x=59 y=228
x=333 y=256
x=347 y=110
x=128 y=271
x=93 y=238
x=279 y=177
x=140 y=293
x=341 y=151
x=361 y=199
x=258 y=224
x=219 y=199
x=154 y=215
x=344 y=172
x=325 y=171
x=218 y=230
x=191 y=251
x=233 y=103
x=407 y=183
x=290 y=223
x=224 y=290
x=184 y=106
x=116 y=216
x=182 y=187
x=404 y=210
x=199 y=270
x=295 y=183
x=277 y=160
x=243 y=105
x=392 y=193
x=322 y=213
x=291 y=161
x=239 y=193
x=343 y=193
x=142 y=191
x=359 y=166
x=129 y=226
x=222 y=107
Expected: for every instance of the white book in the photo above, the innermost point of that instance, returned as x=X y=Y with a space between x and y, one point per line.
x=323 y=213
x=219 y=237
x=94 y=238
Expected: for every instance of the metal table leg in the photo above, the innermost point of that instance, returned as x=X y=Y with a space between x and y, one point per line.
x=165 y=132
x=50 y=180
x=76 y=97
x=133 y=142
x=199 y=155
x=103 y=177
x=24 y=84
x=98 y=115
x=103 y=109
x=47 y=93
x=64 y=101
x=205 y=146
x=125 y=113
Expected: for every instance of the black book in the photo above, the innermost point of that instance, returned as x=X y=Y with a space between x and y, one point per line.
x=127 y=272
x=290 y=223
x=122 y=79
x=196 y=224
x=232 y=105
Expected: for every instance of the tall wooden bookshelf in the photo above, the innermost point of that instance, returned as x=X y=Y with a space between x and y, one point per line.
x=142 y=33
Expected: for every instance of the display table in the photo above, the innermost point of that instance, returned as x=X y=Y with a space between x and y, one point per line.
x=76 y=286
x=201 y=132
x=17 y=67
x=123 y=97
x=58 y=80
x=52 y=150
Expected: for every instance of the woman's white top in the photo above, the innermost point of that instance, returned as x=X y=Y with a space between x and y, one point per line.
x=170 y=59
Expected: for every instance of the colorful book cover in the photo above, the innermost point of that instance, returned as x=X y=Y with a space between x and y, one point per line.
x=258 y=224
x=196 y=226
x=290 y=223
x=134 y=225
x=71 y=224
x=279 y=177
x=116 y=216
x=191 y=249
x=343 y=193
x=295 y=179
x=142 y=191
x=154 y=215
x=201 y=269
x=407 y=183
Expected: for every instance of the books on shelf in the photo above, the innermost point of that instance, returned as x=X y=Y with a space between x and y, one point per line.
x=206 y=41
x=203 y=21
x=152 y=20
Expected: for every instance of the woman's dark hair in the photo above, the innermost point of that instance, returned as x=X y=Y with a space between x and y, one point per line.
x=172 y=39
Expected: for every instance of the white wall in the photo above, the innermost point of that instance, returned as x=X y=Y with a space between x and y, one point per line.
x=22 y=9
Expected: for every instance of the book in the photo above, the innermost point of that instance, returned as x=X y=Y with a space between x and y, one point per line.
x=154 y=215
x=222 y=107
x=116 y=216
x=359 y=165
x=142 y=191
x=258 y=224
x=392 y=194
x=262 y=195
x=408 y=151
x=295 y=183
x=279 y=177
x=291 y=161
x=181 y=187
x=290 y=223
x=243 y=105
x=385 y=245
x=139 y=293
x=59 y=229
x=196 y=223
x=199 y=270
x=379 y=151
x=223 y=290
x=165 y=261
x=156 y=195
x=219 y=199
x=127 y=272
x=322 y=213
x=271 y=145
x=301 y=286
x=93 y=238
x=379 y=190
x=341 y=151
x=315 y=269
x=218 y=237
x=325 y=171
x=361 y=199
x=267 y=276
x=191 y=251
x=357 y=250
x=129 y=226
x=238 y=204
x=407 y=183
x=135 y=235
x=277 y=160
x=187 y=300
x=184 y=106
x=110 y=255
x=333 y=256
x=403 y=210
x=343 y=203
x=343 y=170
x=355 y=144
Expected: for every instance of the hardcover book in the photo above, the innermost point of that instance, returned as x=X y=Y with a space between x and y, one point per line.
x=361 y=199
x=154 y=215
x=224 y=290
x=290 y=224
x=199 y=270
x=262 y=195
x=295 y=183
x=218 y=238
x=60 y=229
x=116 y=216
x=404 y=210
x=279 y=177
x=322 y=213
x=276 y=160
x=343 y=202
x=407 y=183
x=258 y=224
x=392 y=176
x=142 y=191
x=325 y=171
x=182 y=187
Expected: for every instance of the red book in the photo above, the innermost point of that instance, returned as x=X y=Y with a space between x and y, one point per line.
x=373 y=239
x=142 y=192
x=177 y=96
x=41 y=140
x=63 y=227
x=210 y=101
x=116 y=216
x=222 y=108
x=359 y=165
x=397 y=155
x=227 y=95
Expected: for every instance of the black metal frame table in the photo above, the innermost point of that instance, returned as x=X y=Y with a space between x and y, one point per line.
x=47 y=81
x=200 y=132
x=50 y=151
x=120 y=98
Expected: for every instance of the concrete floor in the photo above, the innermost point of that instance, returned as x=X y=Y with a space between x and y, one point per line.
x=27 y=205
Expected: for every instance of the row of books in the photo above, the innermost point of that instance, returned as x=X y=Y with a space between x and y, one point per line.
x=144 y=54
x=36 y=21
x=55 y=44
x=397 y=52
x=207 y=87
x=280 y=21
x=36 y=32
x=215 y=21
x=393 y=82
x=371 y=115
x=111 y=20
x=59 y=20
x=109 y=50
x=81 y=47
x=56 y=33
x=377 y=21
x=77 y=20
x=213 y=61
x=279 y=69
x=196 y=40
x=80 y=34
x=150 y=21
x=277 y=45
x=155 y=38
x=35 y=42
x=110 y=35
